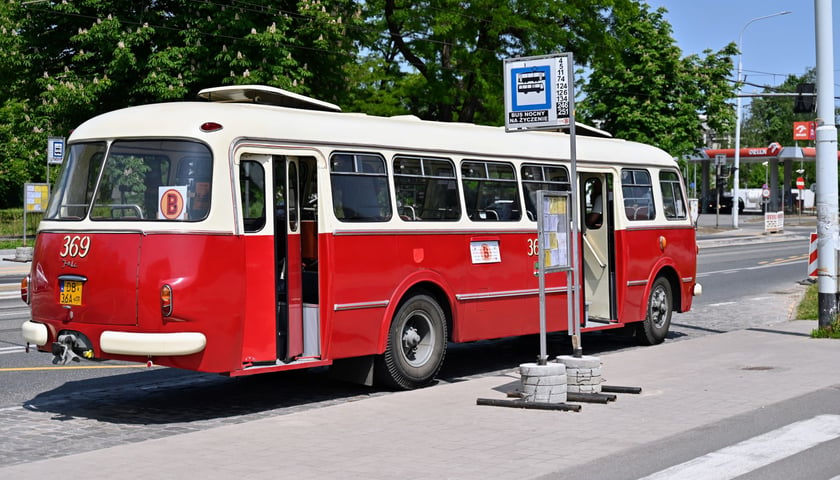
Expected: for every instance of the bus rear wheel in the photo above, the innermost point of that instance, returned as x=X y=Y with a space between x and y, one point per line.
x=654 y=327
x=416 y=344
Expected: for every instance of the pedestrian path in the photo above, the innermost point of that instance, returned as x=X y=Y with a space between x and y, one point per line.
x=440 y=432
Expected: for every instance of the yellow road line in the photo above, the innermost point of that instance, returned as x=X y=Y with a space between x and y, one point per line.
x=89 y=367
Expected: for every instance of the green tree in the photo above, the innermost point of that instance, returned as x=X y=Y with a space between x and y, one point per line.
x=442 y=59
x=647 y=92
x=68 y=61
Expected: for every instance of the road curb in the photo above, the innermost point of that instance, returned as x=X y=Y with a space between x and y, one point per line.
x=747 y=240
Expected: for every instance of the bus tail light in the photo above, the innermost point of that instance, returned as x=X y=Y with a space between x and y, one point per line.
x=166 y=300
x=210 y=127
x=24 y=289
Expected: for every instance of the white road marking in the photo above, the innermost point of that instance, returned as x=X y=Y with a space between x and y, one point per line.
x=15 y=349
x=756 y=452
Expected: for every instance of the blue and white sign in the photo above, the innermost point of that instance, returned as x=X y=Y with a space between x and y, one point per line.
x=55 y=150
x=538 y=92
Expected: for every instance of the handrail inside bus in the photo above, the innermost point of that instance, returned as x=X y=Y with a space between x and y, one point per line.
x=595 y=252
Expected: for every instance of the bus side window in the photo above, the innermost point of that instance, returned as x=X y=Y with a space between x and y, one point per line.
x=542 y=177
x=491 y=192
x=426 y=189
x=252 y=193
x=673 y=203
x=637 y=190
x=360 y=187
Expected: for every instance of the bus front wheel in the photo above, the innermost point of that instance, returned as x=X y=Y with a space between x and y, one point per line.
x=654 y=327
x=416 y=344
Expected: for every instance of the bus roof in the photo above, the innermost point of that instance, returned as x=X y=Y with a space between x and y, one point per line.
x=355 y=130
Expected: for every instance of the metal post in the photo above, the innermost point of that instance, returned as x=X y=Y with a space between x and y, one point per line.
x=577 y=347
x=737 y=165
x=827 y=202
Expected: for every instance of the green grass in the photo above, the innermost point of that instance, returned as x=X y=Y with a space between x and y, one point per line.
x=11 y=228
x=808 y=309
x=809 y=306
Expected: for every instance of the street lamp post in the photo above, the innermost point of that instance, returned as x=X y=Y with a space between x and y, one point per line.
x=737 y=168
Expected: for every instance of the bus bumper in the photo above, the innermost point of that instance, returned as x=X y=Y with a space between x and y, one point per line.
x=34 y=333
x=152 y=344
x=698 y=290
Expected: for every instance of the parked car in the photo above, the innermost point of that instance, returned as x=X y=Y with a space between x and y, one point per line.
x=725 y=203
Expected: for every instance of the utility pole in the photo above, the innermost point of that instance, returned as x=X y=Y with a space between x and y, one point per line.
x=827 y=203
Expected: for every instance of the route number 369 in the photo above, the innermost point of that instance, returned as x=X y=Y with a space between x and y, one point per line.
x=75 y=246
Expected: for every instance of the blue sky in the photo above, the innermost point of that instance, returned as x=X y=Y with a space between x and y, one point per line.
x=772 y=48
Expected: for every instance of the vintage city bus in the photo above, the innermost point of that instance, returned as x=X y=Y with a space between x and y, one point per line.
x=257 y=230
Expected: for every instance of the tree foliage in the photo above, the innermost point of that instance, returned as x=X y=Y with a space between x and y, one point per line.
x=66 y=61
x=647 y=92
x=442 y=59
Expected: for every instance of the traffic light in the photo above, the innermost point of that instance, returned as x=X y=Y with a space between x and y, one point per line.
x=804 y=103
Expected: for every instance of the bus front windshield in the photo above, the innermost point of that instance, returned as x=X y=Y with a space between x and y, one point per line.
x=130 y=180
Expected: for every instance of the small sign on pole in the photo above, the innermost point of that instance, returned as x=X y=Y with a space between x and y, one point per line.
x=805 y=131
x=35 y=199
x=55 y=150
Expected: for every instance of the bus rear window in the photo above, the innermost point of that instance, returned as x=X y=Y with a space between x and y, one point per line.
x=138 y=180
x=77 y=182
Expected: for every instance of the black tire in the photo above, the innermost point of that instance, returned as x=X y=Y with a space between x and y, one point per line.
x=416 y=345
x=660 y=305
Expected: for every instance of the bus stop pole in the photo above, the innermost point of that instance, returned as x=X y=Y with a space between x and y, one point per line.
x=577 y=348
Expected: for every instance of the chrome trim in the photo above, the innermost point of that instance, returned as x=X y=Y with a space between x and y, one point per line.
x=360 y=305
x=73 y=278
x=513 y=293
x=637 y=283
x=687 y=279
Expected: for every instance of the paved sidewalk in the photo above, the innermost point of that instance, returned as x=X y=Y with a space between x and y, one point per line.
x=440 y=432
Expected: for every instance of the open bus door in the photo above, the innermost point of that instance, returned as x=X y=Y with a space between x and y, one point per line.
x=598 y=247
x=287 y=248
x=280 y=257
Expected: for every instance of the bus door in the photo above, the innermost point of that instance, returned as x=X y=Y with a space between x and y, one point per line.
x=597 y=247
x=287 y=252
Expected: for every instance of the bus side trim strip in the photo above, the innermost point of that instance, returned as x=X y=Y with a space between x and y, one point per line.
x=513 y=293
x=360 y=305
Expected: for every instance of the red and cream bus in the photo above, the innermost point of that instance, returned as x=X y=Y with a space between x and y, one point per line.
x=263 y=231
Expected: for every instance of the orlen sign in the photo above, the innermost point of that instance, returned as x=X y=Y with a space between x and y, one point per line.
x=804 y=130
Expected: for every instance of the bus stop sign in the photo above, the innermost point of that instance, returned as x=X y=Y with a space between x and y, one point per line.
x=537 y=92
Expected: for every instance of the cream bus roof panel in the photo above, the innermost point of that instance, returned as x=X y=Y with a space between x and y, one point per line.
x=351 y=130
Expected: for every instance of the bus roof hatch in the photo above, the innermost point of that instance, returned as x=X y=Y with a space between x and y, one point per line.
x=265 y=95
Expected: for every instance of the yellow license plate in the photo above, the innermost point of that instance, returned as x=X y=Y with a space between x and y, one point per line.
x=70 y=292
